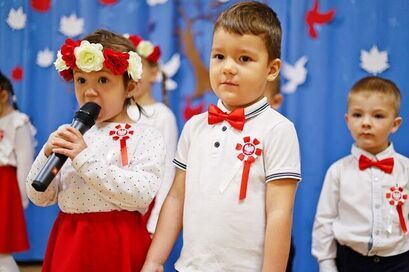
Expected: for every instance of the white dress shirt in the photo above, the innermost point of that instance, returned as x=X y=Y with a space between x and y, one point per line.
x=17 y=147
x=96 y=180
x=353 y=209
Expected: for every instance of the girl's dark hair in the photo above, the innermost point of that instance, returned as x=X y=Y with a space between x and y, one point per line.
x=165 y=98
x=6 y=85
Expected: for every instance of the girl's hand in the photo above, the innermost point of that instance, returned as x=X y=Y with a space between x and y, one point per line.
x=66 y=141
x=152 y=267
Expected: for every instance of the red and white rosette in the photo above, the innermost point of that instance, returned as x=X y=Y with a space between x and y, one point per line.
x=396 y=197
x=122 y=134
x=248 y=154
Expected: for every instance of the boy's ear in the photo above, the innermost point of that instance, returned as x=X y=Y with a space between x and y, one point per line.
x=274 y=69
x=396 y=124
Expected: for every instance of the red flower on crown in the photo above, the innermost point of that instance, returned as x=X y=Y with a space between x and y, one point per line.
x=115 y=61
x=67 y=52
x=138 y=42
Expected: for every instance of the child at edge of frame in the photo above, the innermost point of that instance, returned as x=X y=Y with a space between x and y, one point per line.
x=361 y=218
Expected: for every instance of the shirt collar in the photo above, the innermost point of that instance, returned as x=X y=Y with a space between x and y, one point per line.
x=387 y=153
x=250 y=111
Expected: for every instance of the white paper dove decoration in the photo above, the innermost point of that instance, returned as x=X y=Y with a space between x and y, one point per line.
x=294 y=74
x=17 y=19
x=71 y=26
x=156 y=2
x=45 y=58
x=374 y=61
x=170 y=68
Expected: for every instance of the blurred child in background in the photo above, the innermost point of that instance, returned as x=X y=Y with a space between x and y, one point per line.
x=16 y=156
x=156 y=114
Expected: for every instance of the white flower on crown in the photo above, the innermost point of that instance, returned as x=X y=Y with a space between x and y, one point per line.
x=145 y=48
x=89 y=56
x=59 y=63
x=134 y=66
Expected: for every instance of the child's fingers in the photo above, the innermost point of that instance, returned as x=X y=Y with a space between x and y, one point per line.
x=69 y=134
x=62 y=143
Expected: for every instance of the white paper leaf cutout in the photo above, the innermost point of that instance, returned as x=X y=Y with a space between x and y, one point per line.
x=374 y=61
x=170 y=68
x=295 y=74
x=71 y=26
x=156 y=2
x=17 y=19
x=45 y=58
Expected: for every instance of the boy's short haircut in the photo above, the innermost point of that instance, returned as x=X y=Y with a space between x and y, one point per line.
x=374 y=84
x=253 y=18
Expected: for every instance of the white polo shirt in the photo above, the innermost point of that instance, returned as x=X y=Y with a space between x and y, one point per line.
x=221 y=233
x=353 y=209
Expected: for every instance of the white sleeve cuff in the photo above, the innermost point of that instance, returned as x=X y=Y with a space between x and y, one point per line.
x=328 y=266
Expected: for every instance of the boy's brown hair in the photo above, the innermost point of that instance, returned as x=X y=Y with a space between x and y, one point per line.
x=374 y=84
x=253 y=18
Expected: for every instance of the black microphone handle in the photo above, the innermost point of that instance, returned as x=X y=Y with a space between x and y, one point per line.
x=54 y=163
x=48 y=172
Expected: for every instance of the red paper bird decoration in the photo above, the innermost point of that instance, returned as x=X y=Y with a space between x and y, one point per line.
x=315 y=17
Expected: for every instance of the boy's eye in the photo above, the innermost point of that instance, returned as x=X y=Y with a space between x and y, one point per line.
x=379 y=116
x=244 y=58
x=103 y=80
x=356 y=114
x=81 y=80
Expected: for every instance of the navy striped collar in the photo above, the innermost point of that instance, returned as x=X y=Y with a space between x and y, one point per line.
x=250 y=111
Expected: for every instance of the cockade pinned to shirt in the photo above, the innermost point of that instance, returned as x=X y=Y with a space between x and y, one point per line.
x=248 y=154
x=122 y=134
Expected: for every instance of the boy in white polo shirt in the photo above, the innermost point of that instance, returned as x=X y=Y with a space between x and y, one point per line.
x=238 y=164
x=361 y=219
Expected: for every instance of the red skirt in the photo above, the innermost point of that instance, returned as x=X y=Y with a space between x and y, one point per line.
x=100 y=241
x=13 y=232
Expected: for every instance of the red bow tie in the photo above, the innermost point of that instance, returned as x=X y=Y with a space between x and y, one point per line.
x=236 y=118
x=385 y=165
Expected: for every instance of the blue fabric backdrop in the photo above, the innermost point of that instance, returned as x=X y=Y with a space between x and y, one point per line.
x=183 y=29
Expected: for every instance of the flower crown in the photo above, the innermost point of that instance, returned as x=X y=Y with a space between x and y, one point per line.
x=145 y=48
x=90 y=57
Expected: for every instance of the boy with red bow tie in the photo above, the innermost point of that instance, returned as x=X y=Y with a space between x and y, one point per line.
x=238 y=164
x=360 y=224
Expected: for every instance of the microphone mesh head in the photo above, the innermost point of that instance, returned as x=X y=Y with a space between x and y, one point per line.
x=88 y=113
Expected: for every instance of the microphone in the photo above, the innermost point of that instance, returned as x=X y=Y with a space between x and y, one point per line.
x=83 y=120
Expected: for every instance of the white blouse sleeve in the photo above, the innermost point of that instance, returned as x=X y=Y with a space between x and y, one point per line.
x=49 y=196
x=132 y=187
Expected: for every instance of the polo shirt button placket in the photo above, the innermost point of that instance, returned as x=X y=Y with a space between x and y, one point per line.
x=216 y=144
